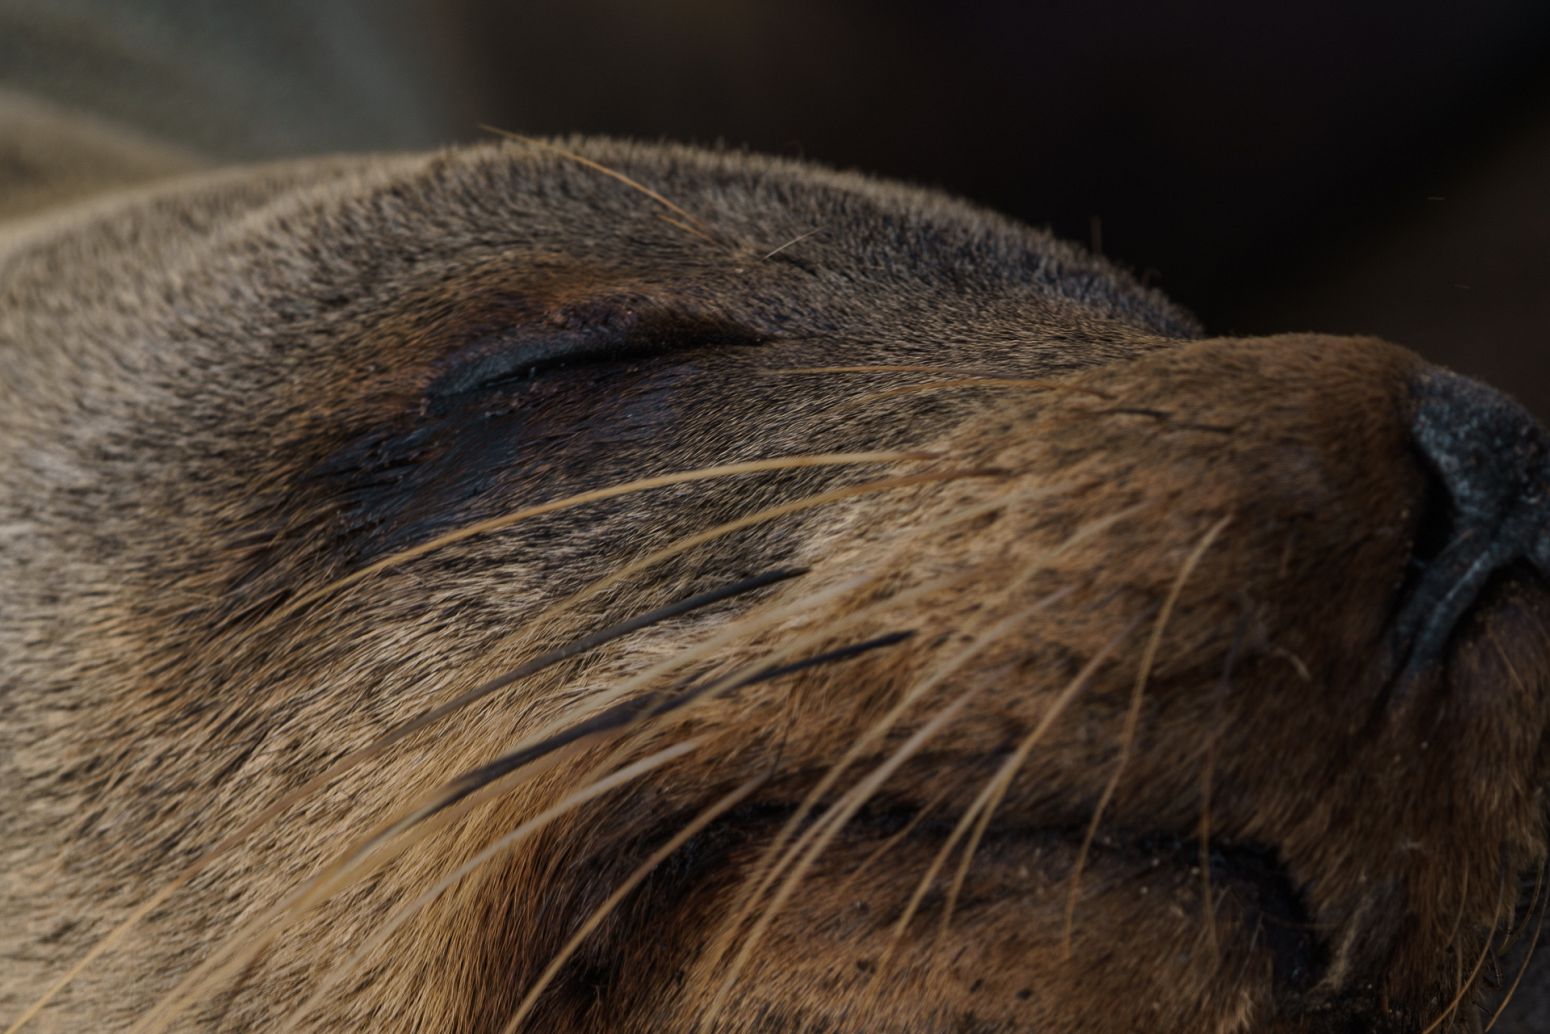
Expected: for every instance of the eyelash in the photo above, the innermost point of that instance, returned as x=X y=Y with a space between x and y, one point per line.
x=502 y=361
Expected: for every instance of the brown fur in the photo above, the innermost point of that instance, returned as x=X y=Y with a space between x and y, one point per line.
x=1136 y=766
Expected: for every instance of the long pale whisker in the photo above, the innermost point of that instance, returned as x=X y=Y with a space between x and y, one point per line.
x=777 y=856
x=798 y=239
x=1001 y=782
x=507 y=520
x=703 y=819
x=1133 y=717
x=561 y=808
x=864 y=791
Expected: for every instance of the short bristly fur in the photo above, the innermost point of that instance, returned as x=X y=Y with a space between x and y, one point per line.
x=1064 y=705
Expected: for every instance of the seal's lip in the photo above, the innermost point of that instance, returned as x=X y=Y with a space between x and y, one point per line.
x=1246 y=878
x=1260 y=886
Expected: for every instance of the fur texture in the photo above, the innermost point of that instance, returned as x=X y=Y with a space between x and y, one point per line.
x=1125 y=749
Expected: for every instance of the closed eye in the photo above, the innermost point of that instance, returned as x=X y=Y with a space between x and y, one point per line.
x=522 y=408
x=514 y=357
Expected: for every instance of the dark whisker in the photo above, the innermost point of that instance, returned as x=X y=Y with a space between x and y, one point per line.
x=377 y=747
x=843 y=653
x=620 y=715
x=577 y=647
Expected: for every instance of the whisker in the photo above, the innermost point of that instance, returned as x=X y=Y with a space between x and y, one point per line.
x=798 y=239
x=1467 y=985
x=777 y=856
x=379 y=747
x=657 y=857
x=561 y=808
x=695 y=225
x=507 y=520
x=1528 y=954
x=1133 y=718
x=885 y=848
x=1002 y=781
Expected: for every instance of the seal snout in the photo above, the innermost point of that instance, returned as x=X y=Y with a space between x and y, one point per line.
x=1487 y=507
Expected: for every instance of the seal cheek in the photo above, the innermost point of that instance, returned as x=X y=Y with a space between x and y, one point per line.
x=836 y=957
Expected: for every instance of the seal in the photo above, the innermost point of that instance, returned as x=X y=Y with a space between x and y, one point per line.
x=585 y=586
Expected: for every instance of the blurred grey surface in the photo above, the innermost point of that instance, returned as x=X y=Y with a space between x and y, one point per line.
x=241 y=80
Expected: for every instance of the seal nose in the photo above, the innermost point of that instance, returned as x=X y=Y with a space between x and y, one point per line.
x=1490 y=465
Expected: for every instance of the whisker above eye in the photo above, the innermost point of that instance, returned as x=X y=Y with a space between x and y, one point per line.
x=684 y=221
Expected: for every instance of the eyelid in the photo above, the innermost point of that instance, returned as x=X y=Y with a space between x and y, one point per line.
x=523 y=353
x=500 y=358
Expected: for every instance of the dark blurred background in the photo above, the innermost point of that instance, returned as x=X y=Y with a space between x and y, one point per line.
x=1376 y=167
x=1373 y=168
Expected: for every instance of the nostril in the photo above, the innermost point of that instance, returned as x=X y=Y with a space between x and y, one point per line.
x=1436 y=523
x=1486 y=465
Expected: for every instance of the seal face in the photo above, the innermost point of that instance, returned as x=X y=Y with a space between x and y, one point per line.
x=608 y=588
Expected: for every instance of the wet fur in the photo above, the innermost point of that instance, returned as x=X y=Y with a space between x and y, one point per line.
x=222 y=399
